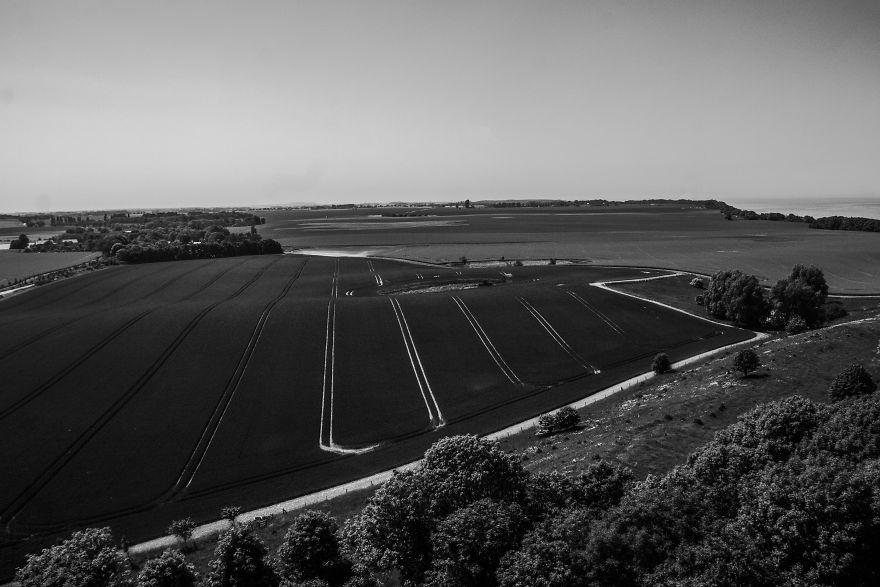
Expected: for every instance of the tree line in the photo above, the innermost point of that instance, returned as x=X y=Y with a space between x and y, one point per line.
x=795 y=303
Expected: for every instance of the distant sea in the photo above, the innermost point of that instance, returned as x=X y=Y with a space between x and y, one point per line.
x=815 y=207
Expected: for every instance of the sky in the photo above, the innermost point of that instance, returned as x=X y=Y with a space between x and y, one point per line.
x=166 y=103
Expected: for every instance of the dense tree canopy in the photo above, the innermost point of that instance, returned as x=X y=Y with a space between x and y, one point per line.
x=801 y=294
x=88 y=558
x=733 y=295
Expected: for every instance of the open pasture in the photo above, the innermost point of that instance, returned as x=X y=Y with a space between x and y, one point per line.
x=691 y=239
x=141 y=394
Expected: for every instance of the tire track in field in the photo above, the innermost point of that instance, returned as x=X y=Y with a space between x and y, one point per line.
x=328 y=389
x=7 y=515
x=611 y=323
x=13 y=303
x=38 y=391
x=52 y=329
x=555 y=335
x=435 y=416
x=487 y=342
x=209 y=432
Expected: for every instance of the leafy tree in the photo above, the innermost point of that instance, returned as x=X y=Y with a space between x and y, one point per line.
x=393 y=532
x=88 y=558
x=230 y=512
x=469 y=543
x=239 y=560
x=746 y=361
x=852 y=381
x=542 y=563
x=802 y=293
x=661 y=364
x=733 y=295
x=20 y=243
x=697 y=283
x=310 y=550
x=183 y=529
x=168 y=570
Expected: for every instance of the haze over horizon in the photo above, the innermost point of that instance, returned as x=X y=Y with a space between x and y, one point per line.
x=171 y=104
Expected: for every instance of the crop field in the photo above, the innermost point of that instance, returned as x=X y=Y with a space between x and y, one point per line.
x=16 y=265
x=141 y=394
x=690 y=239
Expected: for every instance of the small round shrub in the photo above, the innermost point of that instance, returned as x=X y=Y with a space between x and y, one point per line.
x=852 y=381
x=566 y=418
x=661 y=364
x=698 y=283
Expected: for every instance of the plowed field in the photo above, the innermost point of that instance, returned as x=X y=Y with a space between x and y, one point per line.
x=142 y=394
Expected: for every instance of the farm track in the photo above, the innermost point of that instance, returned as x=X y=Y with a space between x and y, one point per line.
x=608 y=321
x=486 y=341
x=328 y=391
x=210 y=430
x=57 y=328
x=7 y=515
x=555 y=335
x=434 y=413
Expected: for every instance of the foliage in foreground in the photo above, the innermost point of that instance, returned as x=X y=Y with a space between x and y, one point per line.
x=87 y=558
x=788 y=495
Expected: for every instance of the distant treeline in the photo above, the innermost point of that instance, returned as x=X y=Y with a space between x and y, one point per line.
x=166 y=241
x=847 y=223
x=233 y=246
x=124 y=219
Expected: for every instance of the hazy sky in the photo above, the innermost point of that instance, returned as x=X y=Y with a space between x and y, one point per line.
x=173 y=103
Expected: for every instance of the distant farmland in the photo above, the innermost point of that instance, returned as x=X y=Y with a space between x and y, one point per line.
x=141 y=394
x=17 y=265
x=670 y=236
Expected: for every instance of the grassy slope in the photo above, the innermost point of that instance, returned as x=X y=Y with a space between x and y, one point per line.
x=653 y=427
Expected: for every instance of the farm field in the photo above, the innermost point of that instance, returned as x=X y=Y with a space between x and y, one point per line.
x=141 y=394
x=16 y=265
x=690 y=239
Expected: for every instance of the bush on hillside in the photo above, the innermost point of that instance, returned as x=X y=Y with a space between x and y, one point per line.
x=698 y=283
x=661 y=364
x=852 y=381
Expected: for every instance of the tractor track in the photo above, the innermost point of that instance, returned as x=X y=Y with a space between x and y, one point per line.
x=7 y=515
x=58 y=328
x=209 y=431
